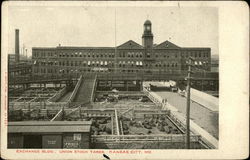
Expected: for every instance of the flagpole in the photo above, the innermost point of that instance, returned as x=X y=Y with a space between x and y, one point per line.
x=115 y=45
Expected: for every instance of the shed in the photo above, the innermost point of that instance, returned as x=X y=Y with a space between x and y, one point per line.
x=49 y=134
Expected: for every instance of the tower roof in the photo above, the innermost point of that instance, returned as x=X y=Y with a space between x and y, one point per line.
x=147 y=22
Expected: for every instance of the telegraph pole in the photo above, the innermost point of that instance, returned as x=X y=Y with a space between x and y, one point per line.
x=188 y=104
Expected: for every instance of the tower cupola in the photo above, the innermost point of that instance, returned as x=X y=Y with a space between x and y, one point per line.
x=147 y=37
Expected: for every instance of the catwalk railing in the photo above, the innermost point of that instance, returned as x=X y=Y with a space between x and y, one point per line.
x=115 y=76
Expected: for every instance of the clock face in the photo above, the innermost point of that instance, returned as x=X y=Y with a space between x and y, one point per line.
x=148 y=28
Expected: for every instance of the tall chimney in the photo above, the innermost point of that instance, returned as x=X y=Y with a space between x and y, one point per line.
x=17 y=55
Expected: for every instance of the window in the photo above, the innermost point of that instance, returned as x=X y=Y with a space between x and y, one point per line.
x=128 y=54
x=140 y=54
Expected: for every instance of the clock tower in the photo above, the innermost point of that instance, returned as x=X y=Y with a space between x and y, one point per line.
x=147 y=37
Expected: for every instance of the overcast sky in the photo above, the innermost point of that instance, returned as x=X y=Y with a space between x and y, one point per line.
x=47 y=26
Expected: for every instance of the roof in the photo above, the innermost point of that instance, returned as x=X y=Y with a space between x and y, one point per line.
x=74 y=47
x=48 y=48
x=130 y=45
x=48 y=126
x=147 y=22
x=166 y=45
x=195 y=48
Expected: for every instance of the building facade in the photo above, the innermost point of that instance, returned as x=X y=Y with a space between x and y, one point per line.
x=129 y=57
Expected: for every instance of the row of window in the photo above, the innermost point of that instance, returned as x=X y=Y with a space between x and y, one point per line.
x=105 y=63
x=121 y=54
x=196 y=55
x=75 y=54
x=111 y=63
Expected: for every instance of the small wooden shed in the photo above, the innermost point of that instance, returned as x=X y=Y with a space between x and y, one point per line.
x=49 y=134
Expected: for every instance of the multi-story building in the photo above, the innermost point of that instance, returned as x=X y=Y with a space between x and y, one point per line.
x=129 y=57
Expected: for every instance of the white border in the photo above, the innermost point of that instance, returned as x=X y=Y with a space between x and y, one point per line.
x=234 y=83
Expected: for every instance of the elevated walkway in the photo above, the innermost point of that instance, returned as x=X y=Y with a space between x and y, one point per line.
x=65 y=97
x=203 y=121
x=85 y=91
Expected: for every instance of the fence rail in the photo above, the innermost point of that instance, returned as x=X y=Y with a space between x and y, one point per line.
x=131 y=138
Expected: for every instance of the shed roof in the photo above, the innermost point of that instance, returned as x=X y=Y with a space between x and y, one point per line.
x=48 y=127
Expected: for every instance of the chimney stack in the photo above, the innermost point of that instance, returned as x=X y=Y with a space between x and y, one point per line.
x=17 y=55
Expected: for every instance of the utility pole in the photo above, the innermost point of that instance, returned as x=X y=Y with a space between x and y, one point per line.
x=188 y=104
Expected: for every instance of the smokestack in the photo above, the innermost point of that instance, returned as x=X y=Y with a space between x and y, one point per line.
x=17 y=55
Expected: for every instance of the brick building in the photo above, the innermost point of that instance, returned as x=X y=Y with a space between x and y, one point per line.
x=129 y=57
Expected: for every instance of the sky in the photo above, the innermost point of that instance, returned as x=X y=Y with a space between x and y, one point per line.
x=49 y=26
